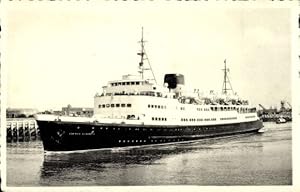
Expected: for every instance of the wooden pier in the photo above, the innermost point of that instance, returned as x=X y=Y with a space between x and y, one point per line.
x=21 y=130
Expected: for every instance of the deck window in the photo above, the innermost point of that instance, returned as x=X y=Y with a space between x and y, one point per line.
x=103 y=106
x=112 y=105
x=137 y=83
x=128 y=104
x=99 y=106
x=117 y=105
x=123 y=105
x=127 y=83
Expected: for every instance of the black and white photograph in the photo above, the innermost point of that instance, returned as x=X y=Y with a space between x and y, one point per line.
x=148 y=94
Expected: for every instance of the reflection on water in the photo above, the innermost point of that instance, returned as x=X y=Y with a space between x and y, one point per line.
x=252 y=159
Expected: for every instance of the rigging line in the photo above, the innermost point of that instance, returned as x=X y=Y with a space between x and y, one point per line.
x=150 y=66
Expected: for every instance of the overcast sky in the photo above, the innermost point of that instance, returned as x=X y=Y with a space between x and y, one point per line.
x=59 y=56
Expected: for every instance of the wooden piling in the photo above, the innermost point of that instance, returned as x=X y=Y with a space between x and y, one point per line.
x=21 y=130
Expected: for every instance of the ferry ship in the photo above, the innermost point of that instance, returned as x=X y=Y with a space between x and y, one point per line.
x=136 y=111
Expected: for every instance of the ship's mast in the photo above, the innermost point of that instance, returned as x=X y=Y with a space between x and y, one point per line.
x=226 y=80
x=143 y=55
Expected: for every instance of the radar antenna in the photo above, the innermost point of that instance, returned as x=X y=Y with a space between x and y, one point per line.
x=144 y=57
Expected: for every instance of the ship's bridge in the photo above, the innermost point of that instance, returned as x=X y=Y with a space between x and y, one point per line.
x=133 y=85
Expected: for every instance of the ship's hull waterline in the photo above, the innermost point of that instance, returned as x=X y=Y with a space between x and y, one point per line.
x=72 y=136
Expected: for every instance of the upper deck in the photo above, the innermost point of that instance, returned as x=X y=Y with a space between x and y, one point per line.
x=132 y=85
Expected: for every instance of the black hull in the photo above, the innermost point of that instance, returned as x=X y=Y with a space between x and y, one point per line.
x=69 y=136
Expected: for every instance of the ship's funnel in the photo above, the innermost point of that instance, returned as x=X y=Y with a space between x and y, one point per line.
x=173 y=80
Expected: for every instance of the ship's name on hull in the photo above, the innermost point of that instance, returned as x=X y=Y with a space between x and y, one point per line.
x=73 y=133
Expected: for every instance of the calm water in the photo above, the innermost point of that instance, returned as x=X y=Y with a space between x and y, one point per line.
x=252 y=159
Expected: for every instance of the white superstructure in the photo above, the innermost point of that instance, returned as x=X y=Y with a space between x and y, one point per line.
x=137 y=100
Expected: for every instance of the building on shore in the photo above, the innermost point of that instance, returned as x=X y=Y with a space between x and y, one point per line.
x=20 y=112
x=77 y=111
